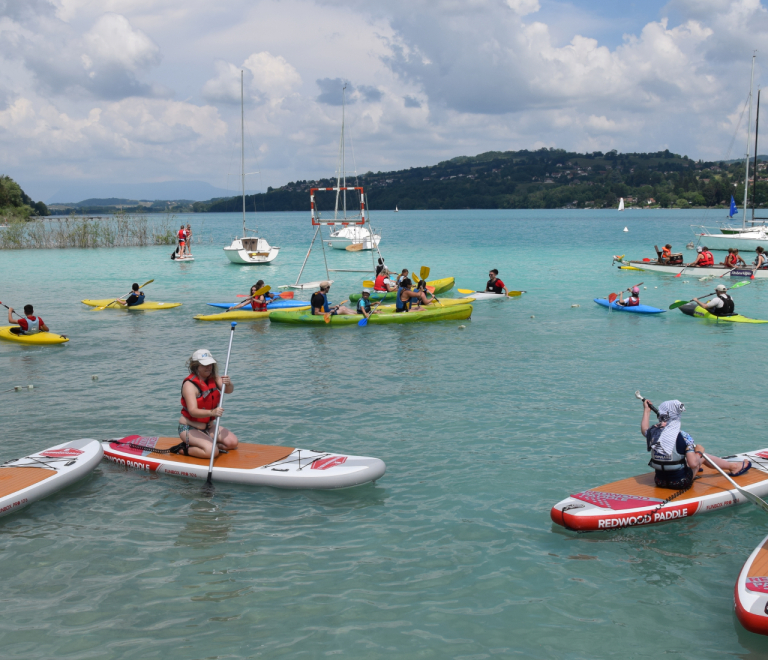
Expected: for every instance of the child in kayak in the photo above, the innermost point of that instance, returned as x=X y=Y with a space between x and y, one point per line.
x=29 y=324
x=364 y=304
x=257 y=303
x=633 y=300
x=200 y=397
x=135 y=297
x=675 y=457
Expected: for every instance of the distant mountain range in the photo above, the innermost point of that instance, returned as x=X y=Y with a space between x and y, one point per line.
x=194 y=191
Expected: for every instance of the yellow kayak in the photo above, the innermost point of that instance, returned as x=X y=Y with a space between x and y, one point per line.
x=146 y=305
x=39 y=339
x=436 y=286
x=431 y=313
x=243 y=315
x=444 y=302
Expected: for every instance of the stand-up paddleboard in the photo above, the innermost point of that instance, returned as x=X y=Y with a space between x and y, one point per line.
x=637 y=500
x=750 y=595
x=637 y=309
x=277 y=304
x=38 y=339
x=26 y=480
x=249 y=464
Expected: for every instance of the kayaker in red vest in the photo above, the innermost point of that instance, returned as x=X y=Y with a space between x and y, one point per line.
x=182 y=241
x=200 y=397
x=705 y=259
x=383 y=283
x=495 y=285
x=257 y=303
x=666 y=253
x=30 y=325
x=733 y=259
x=633 y=300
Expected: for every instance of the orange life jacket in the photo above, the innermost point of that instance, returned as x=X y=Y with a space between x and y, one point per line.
x=707 y=259
x=666 y=252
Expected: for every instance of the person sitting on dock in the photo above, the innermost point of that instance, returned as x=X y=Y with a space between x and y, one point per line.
x=135 y=297
x=761 y=260
x=257 y=303
x=733 y=259
x=29 y=324
x=495 y=285
x=704 y=259
x=320 y=305
x=633 y=300
x=405 y=296
x=721 y=305
x=383 y=283
x=675 y=457
x=200 y=398
x=364 y=304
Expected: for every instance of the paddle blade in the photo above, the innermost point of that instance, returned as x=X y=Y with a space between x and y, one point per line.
x=355 y=247
x=362 y=322
x=612 y=297
x=327 y=317
x=368 y=284
x=678 y=303
x=738 y=284
x=466 y=291
x=288 y=295
x=512 y=294
x=262 y=291
x=678 y=275
x=424 y=272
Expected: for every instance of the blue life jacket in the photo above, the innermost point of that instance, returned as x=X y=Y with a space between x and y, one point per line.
x=134 y=300
x=401 y=306
x=363 y=303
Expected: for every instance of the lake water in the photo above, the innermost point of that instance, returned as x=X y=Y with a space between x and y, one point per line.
x=452 y=553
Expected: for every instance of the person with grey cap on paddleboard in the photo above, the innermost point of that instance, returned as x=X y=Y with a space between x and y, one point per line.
x=200 y=399
x=675 y=457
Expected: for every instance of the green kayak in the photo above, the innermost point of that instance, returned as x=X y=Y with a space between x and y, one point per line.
x=692 y=309
x=452 y=313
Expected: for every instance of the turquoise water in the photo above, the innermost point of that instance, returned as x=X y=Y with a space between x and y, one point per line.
x=452 y=553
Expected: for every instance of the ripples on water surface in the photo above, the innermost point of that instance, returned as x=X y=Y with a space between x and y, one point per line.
x=452 y=553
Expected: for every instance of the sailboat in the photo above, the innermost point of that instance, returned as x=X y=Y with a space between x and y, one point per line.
x=744 y=237
x=397 y=210
x=248 y=250
x=621 y=203
x=353 y=232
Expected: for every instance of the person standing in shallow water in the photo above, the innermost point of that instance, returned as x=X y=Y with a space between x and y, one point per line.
x=200 y=398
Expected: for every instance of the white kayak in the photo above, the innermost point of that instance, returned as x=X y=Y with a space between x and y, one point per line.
x=638 y=501
x=26 y=480
x=249 y=464
x=750 y=596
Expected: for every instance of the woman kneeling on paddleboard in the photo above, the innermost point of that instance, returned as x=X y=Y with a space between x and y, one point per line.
x=674 y=455
x=200 y=397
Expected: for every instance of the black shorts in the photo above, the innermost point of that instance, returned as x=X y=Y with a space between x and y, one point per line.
x=676 y=480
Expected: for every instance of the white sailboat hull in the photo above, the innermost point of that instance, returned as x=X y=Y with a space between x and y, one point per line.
x=339 y=240
x=251 y=251
x=665 y=269
x=747 y=241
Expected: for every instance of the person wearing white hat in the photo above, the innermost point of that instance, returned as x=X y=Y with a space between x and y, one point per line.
x=675 y=456
x=200 y=398
x=704 y=258
x=721 y=305
x=364 y=304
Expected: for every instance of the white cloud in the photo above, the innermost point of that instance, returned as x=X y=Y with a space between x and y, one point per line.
x=112 y=41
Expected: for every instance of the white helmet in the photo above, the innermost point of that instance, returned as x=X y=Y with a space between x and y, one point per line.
x=721 y=288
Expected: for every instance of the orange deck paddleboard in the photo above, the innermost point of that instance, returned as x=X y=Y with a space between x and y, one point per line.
x=637 y=500
x=750 y=596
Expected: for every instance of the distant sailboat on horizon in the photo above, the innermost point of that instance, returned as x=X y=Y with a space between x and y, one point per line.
x=397 y=210
x=621 y=204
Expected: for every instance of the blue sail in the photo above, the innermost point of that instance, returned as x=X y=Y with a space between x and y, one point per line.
x=734 y=210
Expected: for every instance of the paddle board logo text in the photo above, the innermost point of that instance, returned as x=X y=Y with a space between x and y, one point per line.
x=659 y=516
x=149 y=466
x=329 y=462
x=64 y=452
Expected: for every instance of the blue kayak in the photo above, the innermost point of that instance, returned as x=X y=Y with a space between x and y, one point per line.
x=638 y=309
x=277 y=304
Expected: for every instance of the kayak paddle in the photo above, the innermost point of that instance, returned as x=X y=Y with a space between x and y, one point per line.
x=327 y=315
x=256 y=294
x=650 y=405
x=9 y=309
x=416 y=277
x=367 y=284
x=98 y=309
x=511 y=294
x=424 y=272
x=680 y=303
x=752 y=498
x=364 y=321
x=208 y=482
x=284 y=294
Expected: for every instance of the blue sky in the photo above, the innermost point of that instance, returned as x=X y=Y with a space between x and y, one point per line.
x=99 y=92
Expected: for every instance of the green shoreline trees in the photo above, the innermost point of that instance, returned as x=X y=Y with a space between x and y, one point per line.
x=15 y=204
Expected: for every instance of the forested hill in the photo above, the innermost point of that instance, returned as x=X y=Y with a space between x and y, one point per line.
x=547 y=178
x=15 y=203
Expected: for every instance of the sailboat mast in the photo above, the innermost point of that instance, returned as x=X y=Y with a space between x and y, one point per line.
x=746 y=160
x=754 y=169
x=343 y=154
x=340 y=162
x=242 y=148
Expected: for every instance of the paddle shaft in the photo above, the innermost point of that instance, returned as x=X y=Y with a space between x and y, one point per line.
x=650 y=405
x=364 y=321
x=750 y=496
x=98 y=309
x=209 y=480
x=9 y=309
x=709 y=295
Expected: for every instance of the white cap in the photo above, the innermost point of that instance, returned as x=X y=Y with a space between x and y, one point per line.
x=720 y=287
x=203 y=356
x=698 y=249
x=366 y=290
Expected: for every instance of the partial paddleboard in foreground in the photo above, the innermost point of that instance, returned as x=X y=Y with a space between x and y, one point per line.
x=249 y=464
x=637 y=501
x=26 y=480
x=750 y=596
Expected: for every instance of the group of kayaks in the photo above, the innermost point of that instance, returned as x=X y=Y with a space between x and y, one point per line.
x=637 y=501
x=690 y=309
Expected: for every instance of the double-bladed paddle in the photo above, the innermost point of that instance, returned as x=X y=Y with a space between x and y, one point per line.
x=751 y=497
x=680 y=303
x=511 y=294
x=98 y=309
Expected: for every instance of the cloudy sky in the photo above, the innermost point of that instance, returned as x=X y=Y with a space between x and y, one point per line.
x=135 y=91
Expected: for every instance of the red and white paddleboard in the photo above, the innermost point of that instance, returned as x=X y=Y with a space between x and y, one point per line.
x=249 y=464
x=26 y=480
x=637 y=500
x=750 y=596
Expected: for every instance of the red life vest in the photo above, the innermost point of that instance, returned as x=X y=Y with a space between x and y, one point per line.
x=632 y=301
x=379 y=285
x=209 y=397
x=259 y=306
x=182 y=234
x=707 y=259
